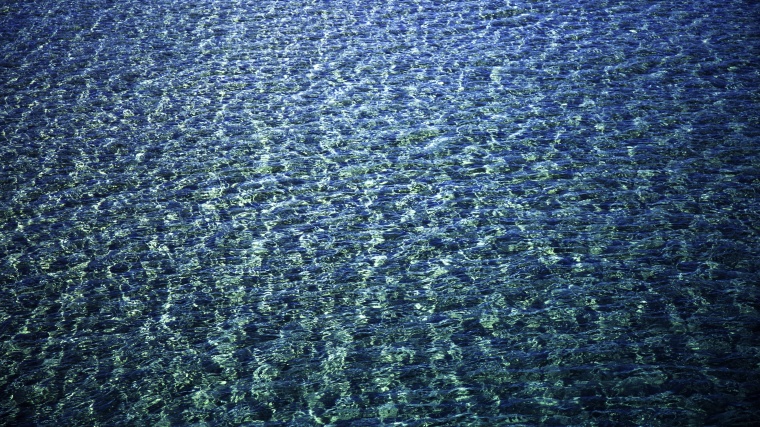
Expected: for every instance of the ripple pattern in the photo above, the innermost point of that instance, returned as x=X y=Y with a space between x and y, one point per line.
x=402 y=213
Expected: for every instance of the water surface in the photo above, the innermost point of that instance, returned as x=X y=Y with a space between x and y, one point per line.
x=404 y=213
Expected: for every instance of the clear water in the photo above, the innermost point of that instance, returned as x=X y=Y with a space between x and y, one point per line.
x=402 y=213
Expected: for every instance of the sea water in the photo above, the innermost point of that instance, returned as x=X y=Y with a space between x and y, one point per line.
x=358 y=213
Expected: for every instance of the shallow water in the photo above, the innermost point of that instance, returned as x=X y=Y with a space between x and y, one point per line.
x=352 y=213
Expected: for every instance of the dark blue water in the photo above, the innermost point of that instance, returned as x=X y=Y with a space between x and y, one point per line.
x=355 y=213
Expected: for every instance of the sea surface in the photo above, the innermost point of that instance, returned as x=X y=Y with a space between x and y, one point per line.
x=379 y=213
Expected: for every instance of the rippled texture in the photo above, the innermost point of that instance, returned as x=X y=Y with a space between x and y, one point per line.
x=355 y=213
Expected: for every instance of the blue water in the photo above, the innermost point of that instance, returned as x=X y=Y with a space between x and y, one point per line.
x=403 y=213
